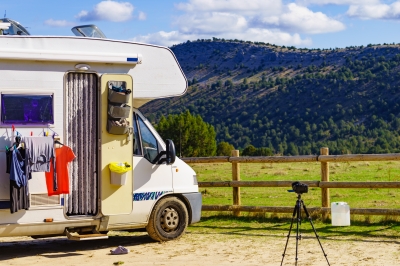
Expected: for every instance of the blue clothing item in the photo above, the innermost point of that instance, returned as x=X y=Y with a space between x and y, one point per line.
x=18 y=169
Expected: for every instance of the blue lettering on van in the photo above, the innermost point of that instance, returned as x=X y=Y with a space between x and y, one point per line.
x=148 y=195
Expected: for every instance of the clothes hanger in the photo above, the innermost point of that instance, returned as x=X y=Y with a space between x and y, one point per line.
x=17 y=144
x=57 y=141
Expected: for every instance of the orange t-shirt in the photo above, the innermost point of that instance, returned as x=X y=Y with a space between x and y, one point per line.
x=64 y=155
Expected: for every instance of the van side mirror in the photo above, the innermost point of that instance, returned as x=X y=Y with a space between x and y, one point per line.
x=170 y=154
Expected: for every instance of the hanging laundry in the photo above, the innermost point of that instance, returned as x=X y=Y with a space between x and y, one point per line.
x=19 y=176
x=9 y=152
x=40 y=152
x=64 y=156
x=8 y=160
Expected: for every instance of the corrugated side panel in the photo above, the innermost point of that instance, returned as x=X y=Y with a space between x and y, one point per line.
x=44 y=200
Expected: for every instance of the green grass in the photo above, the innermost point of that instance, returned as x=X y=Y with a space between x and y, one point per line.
x=349 y=171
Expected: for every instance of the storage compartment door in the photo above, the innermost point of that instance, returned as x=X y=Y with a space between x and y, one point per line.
x=116 y=197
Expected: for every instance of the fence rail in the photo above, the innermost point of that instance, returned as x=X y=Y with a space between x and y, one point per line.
x=324 y=184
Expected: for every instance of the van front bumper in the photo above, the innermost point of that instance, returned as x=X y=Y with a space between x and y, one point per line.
x=195 y=202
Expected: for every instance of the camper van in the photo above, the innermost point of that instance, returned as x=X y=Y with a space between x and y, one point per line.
x=77 y=157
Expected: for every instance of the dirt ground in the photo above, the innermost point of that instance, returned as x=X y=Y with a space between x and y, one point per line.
x=199 y=248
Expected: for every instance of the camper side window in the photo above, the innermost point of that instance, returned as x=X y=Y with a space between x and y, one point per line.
x=149 y=142
x=26 y=109
x=137 y=148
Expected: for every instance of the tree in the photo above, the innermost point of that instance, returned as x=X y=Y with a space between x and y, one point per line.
x=263 y=151
x=224 y=149
x=292 y=149
x=249 y=151
x=192 y=136
x=228 y=83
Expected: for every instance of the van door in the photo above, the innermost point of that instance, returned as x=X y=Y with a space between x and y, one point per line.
x=116 y=145
x=152 y=180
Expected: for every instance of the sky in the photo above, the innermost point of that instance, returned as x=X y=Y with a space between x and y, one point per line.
x=299 y=23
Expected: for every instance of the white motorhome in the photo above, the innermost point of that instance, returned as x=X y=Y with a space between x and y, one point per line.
x=84 y=92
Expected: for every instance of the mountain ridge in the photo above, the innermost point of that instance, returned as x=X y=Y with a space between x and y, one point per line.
x=291 y=100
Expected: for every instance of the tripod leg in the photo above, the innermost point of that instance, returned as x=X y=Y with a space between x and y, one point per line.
x=315 y=231
x=290 y=229
x=298 y=233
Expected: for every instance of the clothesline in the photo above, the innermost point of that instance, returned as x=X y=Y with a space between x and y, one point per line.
x=45 y=134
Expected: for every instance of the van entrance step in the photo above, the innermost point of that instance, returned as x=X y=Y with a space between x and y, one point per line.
x=84 y=233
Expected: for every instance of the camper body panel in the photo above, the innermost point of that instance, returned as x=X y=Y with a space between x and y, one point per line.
x=44 y=229
x=159 y=74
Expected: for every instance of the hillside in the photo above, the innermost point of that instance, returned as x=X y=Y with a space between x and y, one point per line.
x=290 y=100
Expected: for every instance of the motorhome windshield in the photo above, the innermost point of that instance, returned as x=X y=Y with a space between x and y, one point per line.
x=91 y=31
x=14 y=29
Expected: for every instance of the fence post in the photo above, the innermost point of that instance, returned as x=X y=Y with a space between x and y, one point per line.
x=325 y=177
x=236 y=177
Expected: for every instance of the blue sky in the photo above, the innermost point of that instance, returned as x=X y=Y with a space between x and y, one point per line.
x=301 y=23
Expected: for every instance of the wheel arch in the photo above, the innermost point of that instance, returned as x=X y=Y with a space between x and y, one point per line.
x=182 y=198
x=187 y=205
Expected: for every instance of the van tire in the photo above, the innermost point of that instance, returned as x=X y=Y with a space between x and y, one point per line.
x=168 y=220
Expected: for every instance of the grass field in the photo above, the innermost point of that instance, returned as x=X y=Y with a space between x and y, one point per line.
x=361 y=226
x=349 y=171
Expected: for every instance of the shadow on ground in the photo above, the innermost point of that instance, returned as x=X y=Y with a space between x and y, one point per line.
x=60 y=247
x=387 y=231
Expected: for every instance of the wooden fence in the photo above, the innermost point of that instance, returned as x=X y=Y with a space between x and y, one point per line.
x=324 y=184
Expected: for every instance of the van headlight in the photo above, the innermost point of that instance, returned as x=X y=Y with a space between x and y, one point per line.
x=195 y=180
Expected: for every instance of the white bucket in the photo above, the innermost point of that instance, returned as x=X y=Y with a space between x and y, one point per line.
x=340 y=214
x=118 y=179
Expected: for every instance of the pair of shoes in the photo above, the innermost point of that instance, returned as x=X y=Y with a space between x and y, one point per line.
x=121 y=123
x=119 y=250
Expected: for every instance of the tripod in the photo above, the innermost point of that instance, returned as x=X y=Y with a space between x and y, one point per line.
x=297 y=215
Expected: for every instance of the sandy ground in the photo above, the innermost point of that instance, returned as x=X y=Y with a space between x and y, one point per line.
x=199 y=248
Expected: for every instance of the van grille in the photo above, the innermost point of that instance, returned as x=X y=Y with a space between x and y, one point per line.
x=44 y=200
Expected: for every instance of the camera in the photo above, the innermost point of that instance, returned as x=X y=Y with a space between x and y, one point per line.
x=299 y=188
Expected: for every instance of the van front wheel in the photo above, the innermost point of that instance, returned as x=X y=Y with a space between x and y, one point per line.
x=168 y=220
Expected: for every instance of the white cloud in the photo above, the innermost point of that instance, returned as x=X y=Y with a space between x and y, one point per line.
x=260 y=35
x=337 y=2
x=290 y=18
x=142 y=16
x=58 y=23
x=375 y=11
x=237 y=6
x=108 y=10
x=272 y=21
x=271 y=36
x=300 y=19
x=211 y=23
x=163 y=38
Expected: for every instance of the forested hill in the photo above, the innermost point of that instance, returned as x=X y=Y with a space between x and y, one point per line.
x=293 y=101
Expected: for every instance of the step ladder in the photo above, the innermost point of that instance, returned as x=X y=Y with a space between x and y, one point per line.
x=84 y=233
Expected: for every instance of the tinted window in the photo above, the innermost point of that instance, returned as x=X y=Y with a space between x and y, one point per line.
x=27 y=109
x=149 y=142
x=137 y=148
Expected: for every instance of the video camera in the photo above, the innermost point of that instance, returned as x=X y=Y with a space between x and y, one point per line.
x=299 y=188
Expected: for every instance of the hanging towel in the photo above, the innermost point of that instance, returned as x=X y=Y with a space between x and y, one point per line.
x=40 y=153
